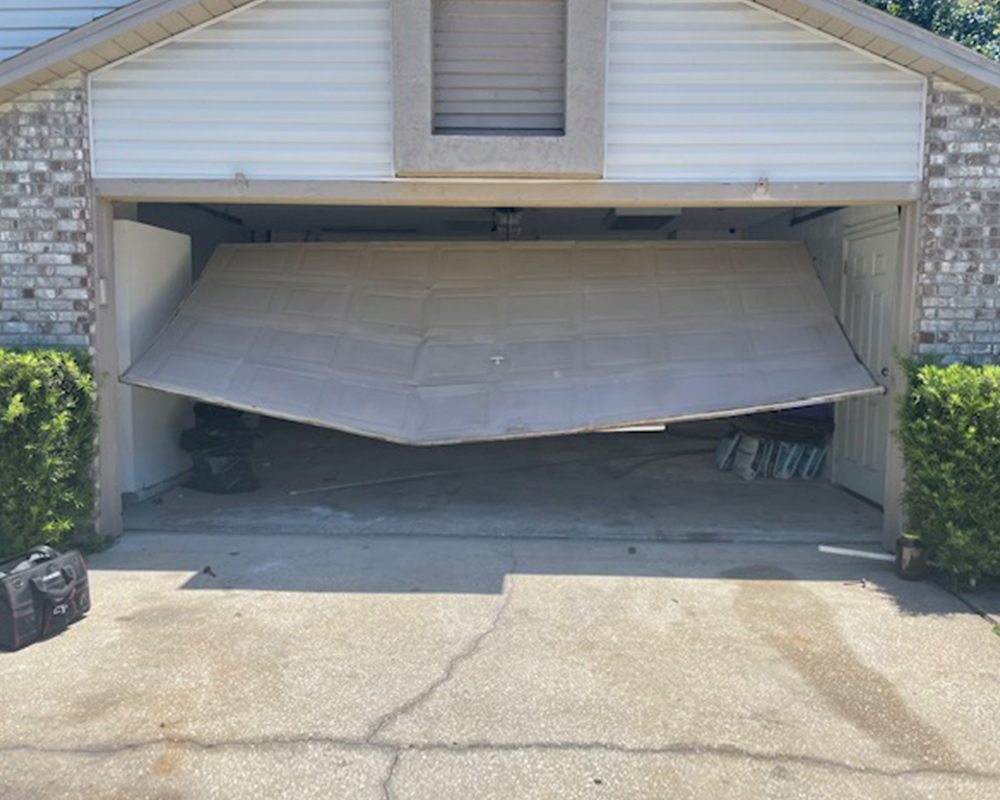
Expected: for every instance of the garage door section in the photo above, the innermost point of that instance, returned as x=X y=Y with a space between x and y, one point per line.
x=442 y=342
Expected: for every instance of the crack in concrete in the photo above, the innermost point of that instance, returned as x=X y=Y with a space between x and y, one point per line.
x=463 y=655
x=397 y=749
x=387 y=783
x=731 y=752
x=374 y=742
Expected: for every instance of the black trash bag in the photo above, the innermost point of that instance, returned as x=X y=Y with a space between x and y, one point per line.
x=219 y=417
x=216 y=427
x=222 y=471
x=220 y=444
x=198 y=440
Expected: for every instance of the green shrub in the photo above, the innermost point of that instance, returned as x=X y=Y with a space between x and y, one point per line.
x=950 y=435
x=47 y=429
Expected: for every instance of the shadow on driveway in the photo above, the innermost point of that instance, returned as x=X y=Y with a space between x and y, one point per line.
x=450 y=668
x=479 y=565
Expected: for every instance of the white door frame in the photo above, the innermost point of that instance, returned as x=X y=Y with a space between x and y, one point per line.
x=109 y=493
x=904 y=340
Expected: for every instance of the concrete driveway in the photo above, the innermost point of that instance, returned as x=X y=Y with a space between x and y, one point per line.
x=477 y=668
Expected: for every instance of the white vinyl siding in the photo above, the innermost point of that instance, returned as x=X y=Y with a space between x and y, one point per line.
x=499 y=66
x=284 y=89
x=721 y=91
x=26 y=23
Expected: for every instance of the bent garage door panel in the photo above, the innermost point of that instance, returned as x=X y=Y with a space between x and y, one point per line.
x=441 y=342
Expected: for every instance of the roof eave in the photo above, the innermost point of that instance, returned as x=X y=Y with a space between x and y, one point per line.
x=921 y=50
x=74 y=50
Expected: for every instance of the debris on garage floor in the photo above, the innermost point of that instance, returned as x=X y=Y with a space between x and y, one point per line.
x=782 y=445
x=660 y=486
x=220 y=444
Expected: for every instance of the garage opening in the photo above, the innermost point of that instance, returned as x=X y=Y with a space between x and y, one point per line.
x=508 y=371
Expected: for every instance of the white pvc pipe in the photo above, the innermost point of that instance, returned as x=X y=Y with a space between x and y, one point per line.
x=844 y=551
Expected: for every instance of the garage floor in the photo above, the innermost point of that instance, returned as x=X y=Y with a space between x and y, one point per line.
x=661 y=486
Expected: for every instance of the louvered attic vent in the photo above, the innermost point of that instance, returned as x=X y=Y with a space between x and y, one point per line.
x=500 y=67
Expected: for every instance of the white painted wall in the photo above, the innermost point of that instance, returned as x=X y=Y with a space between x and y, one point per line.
x=26 y=23
x=207 y=232
x=282 y=89
x=724 y=91
x=152 y=275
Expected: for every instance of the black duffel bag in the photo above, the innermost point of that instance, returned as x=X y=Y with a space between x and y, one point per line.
x=41 y=592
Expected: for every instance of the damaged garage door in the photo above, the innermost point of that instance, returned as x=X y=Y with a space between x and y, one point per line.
x=443 y=342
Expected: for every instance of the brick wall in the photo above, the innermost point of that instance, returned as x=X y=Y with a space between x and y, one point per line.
x=958 y=303
x=46 y=237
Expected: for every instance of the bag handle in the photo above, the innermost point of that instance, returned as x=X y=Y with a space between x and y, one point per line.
x=56 y=594
x=59 y=604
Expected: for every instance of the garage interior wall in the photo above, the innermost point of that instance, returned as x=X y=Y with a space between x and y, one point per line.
x=152 y=277
x=867 y=311
x=207 y=227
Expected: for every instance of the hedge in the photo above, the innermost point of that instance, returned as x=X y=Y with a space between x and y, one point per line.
x=47 y=427
x=950 y=436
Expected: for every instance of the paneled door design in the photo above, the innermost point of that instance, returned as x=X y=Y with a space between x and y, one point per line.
x=870 y=254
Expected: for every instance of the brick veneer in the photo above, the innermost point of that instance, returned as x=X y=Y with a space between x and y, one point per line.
x=958 y=303
x=46 y=238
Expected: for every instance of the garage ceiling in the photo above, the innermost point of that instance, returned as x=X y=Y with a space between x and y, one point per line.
x=429 y=343
x=297 y=223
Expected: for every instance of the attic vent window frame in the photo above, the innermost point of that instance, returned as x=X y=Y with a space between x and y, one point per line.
x=499 y=67
x=577 y=153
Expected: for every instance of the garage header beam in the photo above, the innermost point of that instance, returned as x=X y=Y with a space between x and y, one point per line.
x=503 y=193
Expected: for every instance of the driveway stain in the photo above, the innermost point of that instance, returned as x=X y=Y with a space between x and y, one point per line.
x=169 y=761
x=802 y=629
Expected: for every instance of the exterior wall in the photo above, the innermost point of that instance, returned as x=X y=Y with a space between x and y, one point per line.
x=25 y=23
x=958 y=303
x=46 y=237
x=724 y=92
x=284 y=89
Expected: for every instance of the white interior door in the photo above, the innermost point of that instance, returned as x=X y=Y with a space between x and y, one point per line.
x=152 y=275
x=870 y=256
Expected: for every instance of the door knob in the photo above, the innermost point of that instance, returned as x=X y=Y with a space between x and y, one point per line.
x=885 y=372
